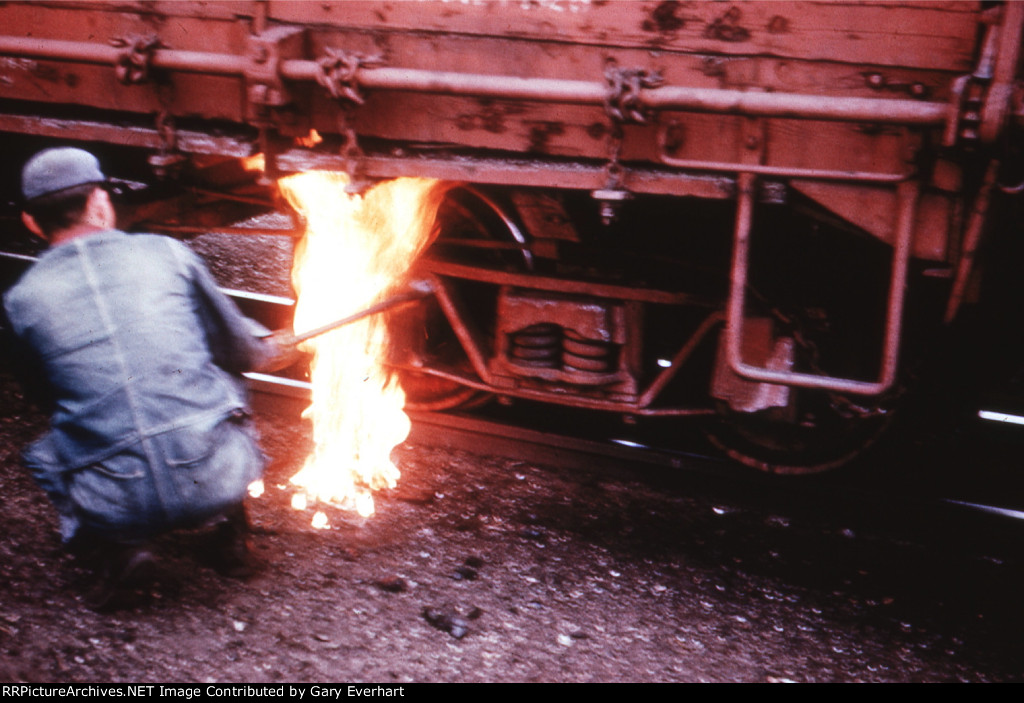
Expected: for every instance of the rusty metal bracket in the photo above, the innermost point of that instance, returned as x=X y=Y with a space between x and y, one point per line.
x=996 y=109
x=624 y=101
x=981 y=102
x=135 y=60
x=267 y=51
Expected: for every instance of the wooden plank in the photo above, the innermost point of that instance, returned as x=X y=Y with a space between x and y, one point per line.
x=939 y=35
x=156 y=9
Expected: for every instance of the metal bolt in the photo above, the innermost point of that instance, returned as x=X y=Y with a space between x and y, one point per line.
x=607 y=213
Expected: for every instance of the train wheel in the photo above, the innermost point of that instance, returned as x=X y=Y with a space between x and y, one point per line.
x=820 y=437
x=424 y=329
x=424 y=393
x=474 y=229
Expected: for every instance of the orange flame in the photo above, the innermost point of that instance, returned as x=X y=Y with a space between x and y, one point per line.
x=310 y=140
x=256 y=162
x=357 y=250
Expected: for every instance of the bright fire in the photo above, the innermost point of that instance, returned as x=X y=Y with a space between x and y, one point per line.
x=356 y=251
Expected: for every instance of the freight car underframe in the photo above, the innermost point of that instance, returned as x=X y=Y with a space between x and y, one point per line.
x=580 y=341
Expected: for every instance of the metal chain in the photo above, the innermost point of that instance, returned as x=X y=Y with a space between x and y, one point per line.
x=338 y=71
x=135 y=61
x=623 y=102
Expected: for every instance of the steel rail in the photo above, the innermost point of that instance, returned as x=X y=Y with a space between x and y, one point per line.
x=749 y=103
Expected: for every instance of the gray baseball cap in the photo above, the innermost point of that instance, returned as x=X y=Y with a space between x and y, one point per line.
x=54 y=170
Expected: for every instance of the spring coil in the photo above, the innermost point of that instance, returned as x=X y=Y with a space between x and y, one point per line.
x=587 y=355
x=538 y=345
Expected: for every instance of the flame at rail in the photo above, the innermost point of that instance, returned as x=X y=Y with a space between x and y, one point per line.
x=357 y=250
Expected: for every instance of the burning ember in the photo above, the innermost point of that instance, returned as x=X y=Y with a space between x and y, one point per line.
x=356 y=251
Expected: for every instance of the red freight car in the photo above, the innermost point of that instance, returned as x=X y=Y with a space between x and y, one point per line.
x=729 y=209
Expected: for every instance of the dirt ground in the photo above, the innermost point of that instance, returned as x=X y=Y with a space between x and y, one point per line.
x=482 y=568
x=492 y=569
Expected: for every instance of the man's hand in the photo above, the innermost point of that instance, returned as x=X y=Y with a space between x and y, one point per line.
x=282 y=350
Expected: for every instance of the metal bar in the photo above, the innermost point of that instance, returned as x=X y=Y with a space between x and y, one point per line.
x=972 y=238
x=792 y=105
x=577 y=175
x=663 y=378
x=786 y=105
x=126 y=135
x=388 y=304
x=91 y=52
x=819 y=174
x=565 y=399
x=907 y=196
x=473 y=347
x=667 y=97
x=558 y=285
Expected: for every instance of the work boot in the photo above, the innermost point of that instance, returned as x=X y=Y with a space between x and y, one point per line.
x=228 y=545
x=122 y=569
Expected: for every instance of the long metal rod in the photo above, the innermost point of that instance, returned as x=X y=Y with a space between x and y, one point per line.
x=91 y=52
x=670 y=97
x=907 y=197
x=972 y=239
x=470 y=340
x=663 y=378
x=558 y=285
x=563 y=398
x=388 y=304
x=760 y=104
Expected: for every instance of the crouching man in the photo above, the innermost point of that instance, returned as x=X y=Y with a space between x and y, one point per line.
x=140 y=355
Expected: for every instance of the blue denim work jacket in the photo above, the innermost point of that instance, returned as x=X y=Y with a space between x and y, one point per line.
x=142 y=355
